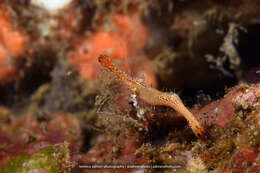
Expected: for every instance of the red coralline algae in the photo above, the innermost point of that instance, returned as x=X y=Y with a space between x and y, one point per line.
x=12 y=44
x=129 y=147
x=64 y=128
x=255 y=168
x=235 y=120
x=107 y=152
x=242 y=159
x=220 y=112
x=104 y=151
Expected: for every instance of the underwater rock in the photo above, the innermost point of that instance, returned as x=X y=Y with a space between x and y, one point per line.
x=27 y=134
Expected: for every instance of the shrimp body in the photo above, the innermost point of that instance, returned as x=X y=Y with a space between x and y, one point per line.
x=155 y=97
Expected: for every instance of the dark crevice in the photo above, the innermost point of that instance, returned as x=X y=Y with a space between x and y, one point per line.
x=248 y=49
x=33 y=72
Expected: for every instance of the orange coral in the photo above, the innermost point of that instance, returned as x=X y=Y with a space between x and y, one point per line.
x=133 y=31
x=90 y=47
x=12 y=44
x=127 y=40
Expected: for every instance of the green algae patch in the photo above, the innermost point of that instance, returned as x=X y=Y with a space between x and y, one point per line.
x=16 y=164
x=51 y=159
